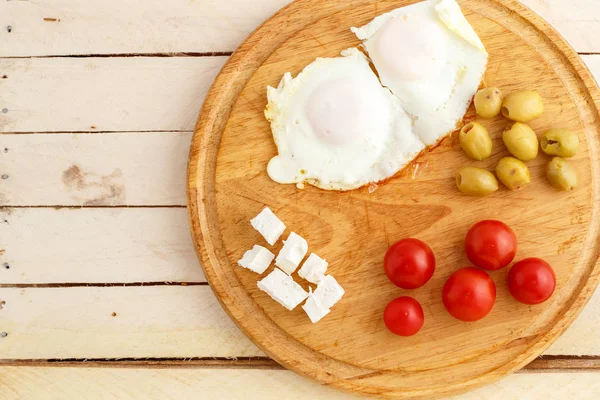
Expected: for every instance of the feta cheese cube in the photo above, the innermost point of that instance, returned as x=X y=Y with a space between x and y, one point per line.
x=293 y=251
x=268 y=225
x=314 y=310
x=328 y=292
x=257 y=259
x=282 y=288
x=313 y=268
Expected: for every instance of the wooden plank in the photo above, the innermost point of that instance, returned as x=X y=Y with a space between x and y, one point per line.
x=99 y=94
x=158 y=322
x=112 y=94
x=578 y=21
x=120 y=169
x=63 y=27
x=116 y=322
x=97 y=245
x=123 y=384
x=581 y=338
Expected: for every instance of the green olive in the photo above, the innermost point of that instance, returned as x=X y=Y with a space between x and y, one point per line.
x=475 y=141
x=561 y=174
x=521 y=141
x=488 y=102
x=523 y=106
x=476 y=181
x=513 y=173
x=560 y=142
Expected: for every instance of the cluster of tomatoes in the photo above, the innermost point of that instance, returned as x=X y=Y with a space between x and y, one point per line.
x=469 y=294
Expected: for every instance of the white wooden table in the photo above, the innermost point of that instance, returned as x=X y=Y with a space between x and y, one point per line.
x=98 y=99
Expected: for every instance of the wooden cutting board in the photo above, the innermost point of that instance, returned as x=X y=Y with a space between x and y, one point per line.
x=350 y=348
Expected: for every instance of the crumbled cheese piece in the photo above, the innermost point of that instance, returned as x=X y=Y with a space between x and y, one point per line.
x=268 y=225
x=313 y=268
x=282 y=288
x=258 y=259
x=293 y=251
x=328 y=292
x=314 y=310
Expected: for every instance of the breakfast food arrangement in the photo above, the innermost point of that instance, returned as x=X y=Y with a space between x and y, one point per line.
x=392 y=194
x=339 y=126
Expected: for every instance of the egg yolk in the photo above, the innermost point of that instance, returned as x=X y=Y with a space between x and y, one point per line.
x=413 y=47
x=343 y=111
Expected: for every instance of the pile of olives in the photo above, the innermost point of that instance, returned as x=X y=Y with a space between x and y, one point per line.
x=520 y=140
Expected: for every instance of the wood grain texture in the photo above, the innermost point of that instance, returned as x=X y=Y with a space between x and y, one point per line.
x=17 y=383
x=153 y=321
x=65 y=27
x=99 y=94
x=99 y=245
x=351 y=349
x=119 y=169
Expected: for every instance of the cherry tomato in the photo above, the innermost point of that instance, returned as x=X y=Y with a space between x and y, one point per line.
x=409 y=263
x=531 y=281
x=469 y=294
x=491 y=244
x=403 y=316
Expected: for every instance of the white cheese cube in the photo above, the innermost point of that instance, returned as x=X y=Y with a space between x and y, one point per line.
x=314 y=310
x=293 y=251
x=268 y=225
x=282 y=288
x=313 y=268
x=328 y=292
x=257 y=259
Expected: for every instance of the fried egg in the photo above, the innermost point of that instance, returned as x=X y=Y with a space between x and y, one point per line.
x=430 y=57
x=336 y=127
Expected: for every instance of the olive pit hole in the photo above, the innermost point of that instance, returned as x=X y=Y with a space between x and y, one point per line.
x=459 y=180
x=505 y=111
x=467 y=128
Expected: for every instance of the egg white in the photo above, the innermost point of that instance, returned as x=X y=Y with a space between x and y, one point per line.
x=430 y=57
x=336 y=127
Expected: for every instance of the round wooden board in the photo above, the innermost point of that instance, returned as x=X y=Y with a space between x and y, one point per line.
x=350 y=348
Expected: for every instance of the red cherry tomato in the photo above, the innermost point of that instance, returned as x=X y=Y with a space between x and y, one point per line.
x=491 y=244
x=531 y=281
x=403 y=316
x=469 y=294
x=409 y=263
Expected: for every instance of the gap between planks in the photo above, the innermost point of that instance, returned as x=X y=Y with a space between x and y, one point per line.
x=93 y=132
x=164 y=55
x=58 y=207
x=84 y=284
x=124 y=55
x=541 y=364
